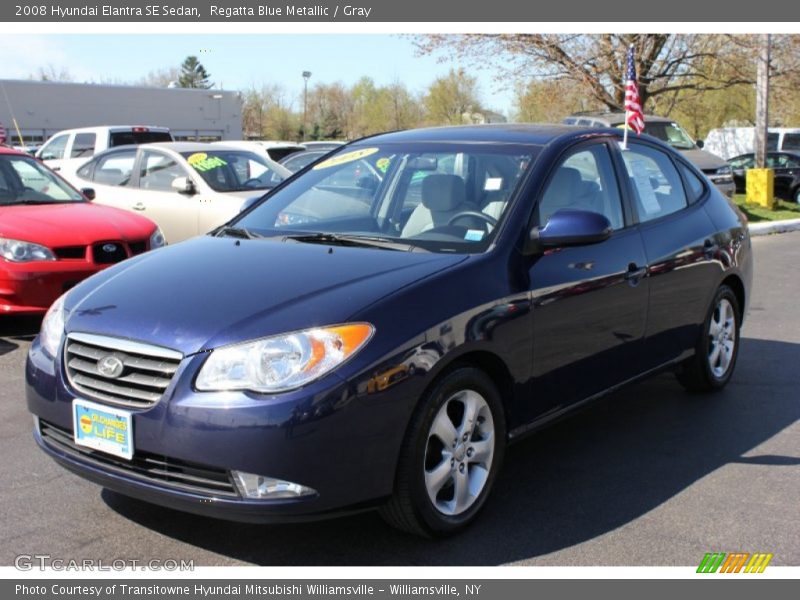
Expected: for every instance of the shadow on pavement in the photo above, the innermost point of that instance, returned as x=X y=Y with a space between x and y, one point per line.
x=579 y=479
x=19 y=328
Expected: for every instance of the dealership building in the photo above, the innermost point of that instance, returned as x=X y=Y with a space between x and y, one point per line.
x=42 y=108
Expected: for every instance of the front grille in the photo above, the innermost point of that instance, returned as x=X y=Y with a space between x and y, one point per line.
x=71 y=252
x=137 y=247
x=153 y=468
x=136 y=379
x=107 y=253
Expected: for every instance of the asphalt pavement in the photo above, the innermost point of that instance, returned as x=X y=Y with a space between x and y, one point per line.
x=648 y=476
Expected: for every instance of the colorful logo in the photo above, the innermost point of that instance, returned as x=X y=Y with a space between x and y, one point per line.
x=86 y=424
x=735 y=562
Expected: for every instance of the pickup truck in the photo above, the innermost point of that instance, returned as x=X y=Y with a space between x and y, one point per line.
x=69 y=149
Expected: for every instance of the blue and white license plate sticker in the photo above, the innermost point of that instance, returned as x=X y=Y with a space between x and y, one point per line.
x=103 y=428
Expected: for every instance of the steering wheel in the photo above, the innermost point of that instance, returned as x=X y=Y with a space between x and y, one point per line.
x=253 y=181
x=473 y=213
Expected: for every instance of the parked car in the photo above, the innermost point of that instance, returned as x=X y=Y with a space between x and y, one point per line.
x=323 y=145
x=300 y=160
x=52 y=237
x=786 y=168
x=69 y=149
x=728 y=142
x=336 y=348
x=670 y=132
x=187 y=188
x=268 y=149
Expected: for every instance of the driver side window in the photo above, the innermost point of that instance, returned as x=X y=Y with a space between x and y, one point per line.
x=584 y=181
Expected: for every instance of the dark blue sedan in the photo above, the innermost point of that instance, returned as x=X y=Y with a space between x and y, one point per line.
x=376 y=330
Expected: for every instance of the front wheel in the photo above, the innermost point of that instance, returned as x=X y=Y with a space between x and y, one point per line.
x=451 y=456
x=797 y=195
x=715 y=356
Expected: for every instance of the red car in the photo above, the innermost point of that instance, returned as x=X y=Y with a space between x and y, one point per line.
x=52 y=236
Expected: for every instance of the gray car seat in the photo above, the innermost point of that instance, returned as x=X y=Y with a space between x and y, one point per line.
x=443 y=197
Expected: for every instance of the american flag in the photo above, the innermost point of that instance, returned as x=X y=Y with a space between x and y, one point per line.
x=633 y=108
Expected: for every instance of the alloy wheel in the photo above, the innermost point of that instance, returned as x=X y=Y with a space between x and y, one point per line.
x=459 y=452
x=721 y=338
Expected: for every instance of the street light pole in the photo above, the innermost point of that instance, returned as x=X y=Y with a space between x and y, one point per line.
x=306 y=75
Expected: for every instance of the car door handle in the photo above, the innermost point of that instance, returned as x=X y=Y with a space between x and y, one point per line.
x=710 y=249
x=56 y=168
x=635 y=273
x=139 y=206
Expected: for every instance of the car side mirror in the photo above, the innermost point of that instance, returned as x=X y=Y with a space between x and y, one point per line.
x=183 y=185
x=700 y=143
x=569 y=227
x=89 y=193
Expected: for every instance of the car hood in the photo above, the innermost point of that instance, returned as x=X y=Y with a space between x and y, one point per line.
x=209 y=292
x=703 y=160
x=71 y=224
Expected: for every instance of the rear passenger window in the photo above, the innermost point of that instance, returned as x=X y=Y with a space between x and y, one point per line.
x=694 y=185
x=657 y=187
x=83 y=145
x=115 y=169
x=584 y=181
x=791 y=141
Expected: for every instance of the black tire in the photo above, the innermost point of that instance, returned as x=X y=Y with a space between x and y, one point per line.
x=697 y=373
x=797 y=195
x=411 y=509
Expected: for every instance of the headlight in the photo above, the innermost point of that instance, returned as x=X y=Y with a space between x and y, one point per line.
x=53 y=327
x=282 y=362
x=19 y=251
x=157 y=240
x=724 y=173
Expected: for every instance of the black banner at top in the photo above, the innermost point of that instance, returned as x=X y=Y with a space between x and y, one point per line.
x=458 y=11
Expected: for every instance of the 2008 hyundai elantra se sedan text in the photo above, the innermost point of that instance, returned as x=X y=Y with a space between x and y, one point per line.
x=376 y=336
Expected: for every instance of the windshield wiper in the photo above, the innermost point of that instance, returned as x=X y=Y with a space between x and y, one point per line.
x=335 y=239
x=237 y=232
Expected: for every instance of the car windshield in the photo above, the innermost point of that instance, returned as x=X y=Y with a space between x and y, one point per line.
x=672 y=133
x=233 y=170
x=23 y=180
x=437 y=197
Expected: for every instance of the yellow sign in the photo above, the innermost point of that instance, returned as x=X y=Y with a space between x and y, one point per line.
x=347 y=157
x=197 y=157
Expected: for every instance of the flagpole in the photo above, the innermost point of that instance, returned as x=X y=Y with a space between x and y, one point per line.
x=627 y=112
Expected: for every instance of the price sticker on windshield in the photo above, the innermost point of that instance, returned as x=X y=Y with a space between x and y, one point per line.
x=203 y=162
x=341 y=159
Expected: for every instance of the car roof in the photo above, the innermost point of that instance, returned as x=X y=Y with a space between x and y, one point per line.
x=12 y=151
x=505 y=133
x=617 y=118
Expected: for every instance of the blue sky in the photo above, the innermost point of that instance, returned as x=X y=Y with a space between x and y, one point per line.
x=239 y=61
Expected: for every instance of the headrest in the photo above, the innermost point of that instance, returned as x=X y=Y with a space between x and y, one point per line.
x=442 y=193
x=566 y=183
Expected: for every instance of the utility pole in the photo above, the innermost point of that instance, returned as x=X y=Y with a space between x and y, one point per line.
x=762 y=100
x=760 y=181
x=306 y=75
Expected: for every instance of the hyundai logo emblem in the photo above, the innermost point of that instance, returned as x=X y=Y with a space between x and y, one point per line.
x=110 y=366
x=109 y=248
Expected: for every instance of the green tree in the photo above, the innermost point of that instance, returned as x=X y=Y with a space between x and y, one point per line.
x=548 y=100
x=193 y=74
x=450 y=97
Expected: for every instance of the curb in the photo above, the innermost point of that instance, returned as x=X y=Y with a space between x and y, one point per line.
x=774 y=227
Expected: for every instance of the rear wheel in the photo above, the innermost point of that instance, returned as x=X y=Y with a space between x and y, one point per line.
x=451 y=456
x=715 y=356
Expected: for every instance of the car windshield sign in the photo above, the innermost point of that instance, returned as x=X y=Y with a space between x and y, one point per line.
x=23 y=180
x=440 y=197
x=232 y=171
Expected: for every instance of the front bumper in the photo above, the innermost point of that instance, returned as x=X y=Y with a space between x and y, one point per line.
x=325 y=437
x=727 y=187
x=30 y=288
